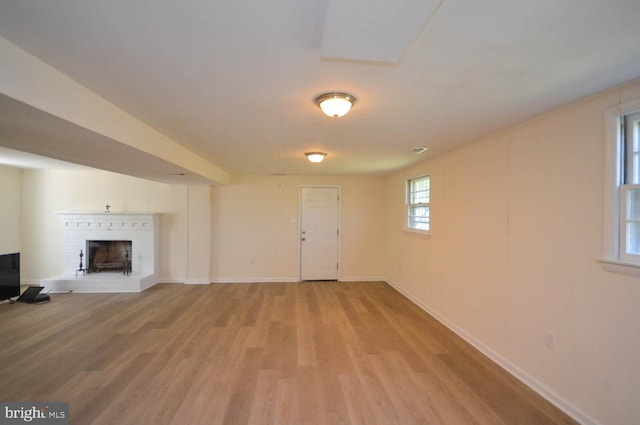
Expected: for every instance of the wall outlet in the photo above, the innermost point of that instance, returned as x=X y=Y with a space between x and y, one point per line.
x=550 y=340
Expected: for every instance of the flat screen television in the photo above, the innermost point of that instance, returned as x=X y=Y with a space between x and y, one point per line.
x=9 y=276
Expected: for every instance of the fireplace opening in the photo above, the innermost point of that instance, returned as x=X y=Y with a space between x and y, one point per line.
x=103 y=256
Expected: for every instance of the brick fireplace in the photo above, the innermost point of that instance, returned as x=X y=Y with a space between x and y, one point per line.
x=119 y=252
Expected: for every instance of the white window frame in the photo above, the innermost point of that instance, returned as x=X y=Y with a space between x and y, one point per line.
x=408 y=205
x=614 y=258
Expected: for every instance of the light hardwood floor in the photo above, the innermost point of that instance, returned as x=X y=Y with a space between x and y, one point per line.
x=323 y=353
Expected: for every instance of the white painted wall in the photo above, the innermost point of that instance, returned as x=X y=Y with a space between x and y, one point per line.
x=198 y=253
x=516 y=234
x=47 y=191
x=10 y=209
x=255 y=227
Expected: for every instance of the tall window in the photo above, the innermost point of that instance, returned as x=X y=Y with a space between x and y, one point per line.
x=621 y=226
x=630 y=187
x=417 y=203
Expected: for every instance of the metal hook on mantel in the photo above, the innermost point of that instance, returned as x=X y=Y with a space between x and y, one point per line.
x=106 y=208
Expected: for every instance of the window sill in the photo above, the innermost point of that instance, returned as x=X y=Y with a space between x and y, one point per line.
x=618 y=266
x=417 y=233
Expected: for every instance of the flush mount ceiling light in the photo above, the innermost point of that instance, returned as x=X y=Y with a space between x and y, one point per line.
x=335 y=104
x=315 y=156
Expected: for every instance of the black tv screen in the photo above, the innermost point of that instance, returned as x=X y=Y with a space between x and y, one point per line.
x=9 y=276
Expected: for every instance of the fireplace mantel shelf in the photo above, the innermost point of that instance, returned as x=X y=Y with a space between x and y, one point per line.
x=102 y=213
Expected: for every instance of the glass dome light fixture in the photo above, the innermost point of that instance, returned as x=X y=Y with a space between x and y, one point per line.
x=315 y=156
x=335 y=104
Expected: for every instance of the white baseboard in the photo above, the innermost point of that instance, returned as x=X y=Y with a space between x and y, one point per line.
x=184 y=281
x=255 y=280
x=228 y=280
x=362 y=279
x=30 y=282
x=293 y=279
x=577 y=414
x=196 y=282
x=171 y=280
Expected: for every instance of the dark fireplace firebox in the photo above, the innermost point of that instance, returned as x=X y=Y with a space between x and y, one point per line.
x=105 y=256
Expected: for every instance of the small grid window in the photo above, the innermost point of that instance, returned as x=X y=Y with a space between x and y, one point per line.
x=418 y=201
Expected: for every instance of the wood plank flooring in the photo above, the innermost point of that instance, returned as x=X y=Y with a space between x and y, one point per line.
x=324 y=353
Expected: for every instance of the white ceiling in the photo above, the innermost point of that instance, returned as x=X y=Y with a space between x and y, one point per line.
x=234 y=81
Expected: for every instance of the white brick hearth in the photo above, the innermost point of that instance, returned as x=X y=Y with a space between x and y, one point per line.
x=79 y=227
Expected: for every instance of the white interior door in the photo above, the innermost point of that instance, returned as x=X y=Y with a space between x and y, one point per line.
x=319 y=211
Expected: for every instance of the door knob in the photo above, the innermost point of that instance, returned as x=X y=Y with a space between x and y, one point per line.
x=303 y=239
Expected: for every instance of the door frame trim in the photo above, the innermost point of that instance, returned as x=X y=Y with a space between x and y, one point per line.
x=332 y=186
